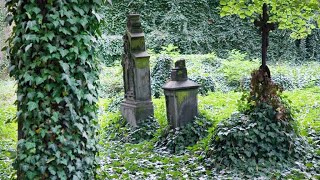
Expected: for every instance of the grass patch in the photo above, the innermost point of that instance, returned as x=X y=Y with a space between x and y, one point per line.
x=7 y=111
x=306 y=107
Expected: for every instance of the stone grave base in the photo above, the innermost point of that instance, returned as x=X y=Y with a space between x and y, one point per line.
x=135 y=112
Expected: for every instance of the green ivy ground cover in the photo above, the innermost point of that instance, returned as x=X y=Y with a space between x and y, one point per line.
x=135 y=161
x=122 y=160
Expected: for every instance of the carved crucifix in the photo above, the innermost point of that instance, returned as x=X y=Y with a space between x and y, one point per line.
x=265 y=27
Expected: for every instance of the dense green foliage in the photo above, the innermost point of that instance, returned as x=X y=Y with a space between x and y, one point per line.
x=175 y=22
x=119 y=130
x=52 y=60
x=299 y=16
x=3 y=59
x=110 y=49
x=176 y=140
x=249 y=141
x=121 y=159
x=160 y=74
x=261 y=136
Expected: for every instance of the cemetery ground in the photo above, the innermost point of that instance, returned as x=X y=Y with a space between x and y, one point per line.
x=127 y=154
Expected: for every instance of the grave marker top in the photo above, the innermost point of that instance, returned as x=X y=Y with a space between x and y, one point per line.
x=265 y=28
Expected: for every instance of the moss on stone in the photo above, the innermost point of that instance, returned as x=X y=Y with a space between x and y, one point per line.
x=136 y=43
x=181 y=96
x=142 y=63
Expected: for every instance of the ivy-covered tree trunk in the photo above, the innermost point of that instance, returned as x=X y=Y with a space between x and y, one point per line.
x=52 y=59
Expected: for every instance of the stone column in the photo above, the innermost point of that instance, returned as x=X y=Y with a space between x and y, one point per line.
x=137 y=105
x=181 y=96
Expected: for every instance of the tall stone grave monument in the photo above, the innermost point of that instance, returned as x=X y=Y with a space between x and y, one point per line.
x=137 y=104
x=181 y=96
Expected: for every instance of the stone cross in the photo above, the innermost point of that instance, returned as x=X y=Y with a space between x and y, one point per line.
x=137 y=105
x=265 y=28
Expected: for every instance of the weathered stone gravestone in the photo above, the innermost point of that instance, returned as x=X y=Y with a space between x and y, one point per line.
x=137 y=105
x=181 y=96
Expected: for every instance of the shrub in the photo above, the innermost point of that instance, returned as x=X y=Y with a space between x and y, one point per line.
x=114 y=105
x=285 y=82
x=111 y=81
x=206 y=84
x=110 y=49
x=249 y=141
x=262 y=135
x=234 y=71
x=176 y=140
x=119 y=130
x=160 y=74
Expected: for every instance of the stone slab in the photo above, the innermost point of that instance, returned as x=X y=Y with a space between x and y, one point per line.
x=135 y=112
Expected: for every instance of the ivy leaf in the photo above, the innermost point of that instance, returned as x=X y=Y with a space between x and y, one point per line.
x=32 y=106
x=52 y=170
x=79 y=126
x=50 y=160
x=62 y=175
x=39 y=80
x=55 y=116
x=90 y=98
x=30 y=145
x=77 y=9
x=51 y=48
x=53 y=147
x=28 y=47
x=97 y=15
x=63 y=52
x=49 y=35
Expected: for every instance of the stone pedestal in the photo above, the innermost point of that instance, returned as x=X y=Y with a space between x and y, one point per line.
x=137 y=105
x=134 y=112
x=181 y=97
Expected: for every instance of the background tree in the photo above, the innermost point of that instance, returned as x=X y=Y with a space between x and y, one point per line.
x=171 y=22
x=299 y=16
x=52 y=60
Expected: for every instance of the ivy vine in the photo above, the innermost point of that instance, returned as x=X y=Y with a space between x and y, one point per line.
x=52 y=60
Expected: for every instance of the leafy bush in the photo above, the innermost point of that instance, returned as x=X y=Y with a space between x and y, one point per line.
x=160 y=74
x=119 y=130
x=111 y=81
x=176 y=140
x=283 y=81
x=249 y=141
x=7 y=155
x=110 y=49
x=234 y=71
x=261 y=135
x=114 y=105
x=206 y=84
x=302 y=75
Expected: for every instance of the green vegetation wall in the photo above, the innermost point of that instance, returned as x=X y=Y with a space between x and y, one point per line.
x=52 y=59
x=3 y=29
x=196 y=27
